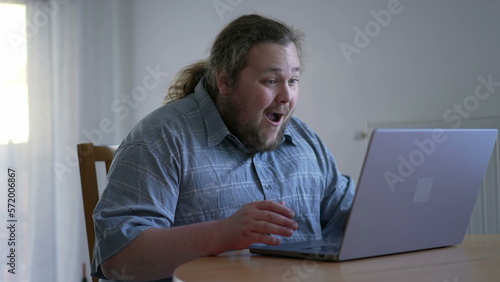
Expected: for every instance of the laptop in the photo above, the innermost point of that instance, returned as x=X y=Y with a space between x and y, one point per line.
x=416 y=191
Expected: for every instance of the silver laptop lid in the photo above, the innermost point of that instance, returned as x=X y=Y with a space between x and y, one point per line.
x=417 y=190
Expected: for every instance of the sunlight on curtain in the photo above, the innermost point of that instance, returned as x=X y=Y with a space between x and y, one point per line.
x=14 y=117
x=53 y=225
x=68 y=53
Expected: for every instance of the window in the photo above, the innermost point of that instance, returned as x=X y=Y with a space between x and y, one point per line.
x=14 y=107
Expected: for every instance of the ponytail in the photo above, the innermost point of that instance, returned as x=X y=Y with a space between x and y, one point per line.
x=185 y=82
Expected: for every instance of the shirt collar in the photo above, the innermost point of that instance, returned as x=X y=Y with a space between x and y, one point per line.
x=215 y=126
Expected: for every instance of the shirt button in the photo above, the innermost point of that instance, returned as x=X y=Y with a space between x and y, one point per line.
x=267 y=187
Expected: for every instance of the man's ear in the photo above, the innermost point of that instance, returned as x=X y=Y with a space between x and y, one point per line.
x=223 y=83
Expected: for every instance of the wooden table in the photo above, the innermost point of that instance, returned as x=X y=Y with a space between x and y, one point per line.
x=476 y=259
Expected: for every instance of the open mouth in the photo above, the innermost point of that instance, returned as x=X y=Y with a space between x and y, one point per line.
x=274 y=117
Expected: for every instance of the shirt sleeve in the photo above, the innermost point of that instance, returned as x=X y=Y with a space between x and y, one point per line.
x=337 y=199
x=337 y=205
x=141 y=193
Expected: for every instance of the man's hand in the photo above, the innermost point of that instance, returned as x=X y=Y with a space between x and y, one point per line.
x=156 y=252
x=255 y=222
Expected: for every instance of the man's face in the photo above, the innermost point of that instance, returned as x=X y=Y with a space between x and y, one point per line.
x=257 y=109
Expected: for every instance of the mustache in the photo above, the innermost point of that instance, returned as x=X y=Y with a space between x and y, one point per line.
x=282 y=109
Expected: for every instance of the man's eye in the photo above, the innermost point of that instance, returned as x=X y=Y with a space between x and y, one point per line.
x=293 y=81
x=271 y=81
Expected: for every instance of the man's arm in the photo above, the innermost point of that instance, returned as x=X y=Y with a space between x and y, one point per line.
x=156 y=252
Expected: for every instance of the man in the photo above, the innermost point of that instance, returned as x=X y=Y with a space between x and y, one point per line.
x=223 y=165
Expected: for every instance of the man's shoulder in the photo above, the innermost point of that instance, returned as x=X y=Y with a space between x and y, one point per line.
x=173 y=111
x=294 y=120
x=297 y=127
x=168 y=120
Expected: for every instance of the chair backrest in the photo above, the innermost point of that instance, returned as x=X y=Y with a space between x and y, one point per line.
x=88 y=155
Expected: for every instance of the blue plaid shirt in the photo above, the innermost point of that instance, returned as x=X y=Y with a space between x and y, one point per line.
x=181 y=165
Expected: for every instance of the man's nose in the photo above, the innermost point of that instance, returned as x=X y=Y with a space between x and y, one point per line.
x=284 y=95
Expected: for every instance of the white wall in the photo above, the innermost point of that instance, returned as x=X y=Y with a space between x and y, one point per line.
x=415 y=67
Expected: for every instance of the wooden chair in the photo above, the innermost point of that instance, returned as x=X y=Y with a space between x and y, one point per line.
x=88 y=155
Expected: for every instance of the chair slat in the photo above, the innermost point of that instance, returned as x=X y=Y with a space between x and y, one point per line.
x=88 y=155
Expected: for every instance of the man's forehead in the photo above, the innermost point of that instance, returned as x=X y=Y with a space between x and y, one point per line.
x=274 y=57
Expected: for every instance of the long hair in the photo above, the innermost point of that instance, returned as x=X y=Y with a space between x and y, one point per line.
x=229 y=52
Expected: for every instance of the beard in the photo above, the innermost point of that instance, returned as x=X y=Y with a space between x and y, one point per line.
x=249 y=130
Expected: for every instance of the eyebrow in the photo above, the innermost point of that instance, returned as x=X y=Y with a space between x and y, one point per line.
x=278 y=69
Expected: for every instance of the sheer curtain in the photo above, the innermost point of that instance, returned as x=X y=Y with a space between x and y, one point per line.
x=77 y=68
